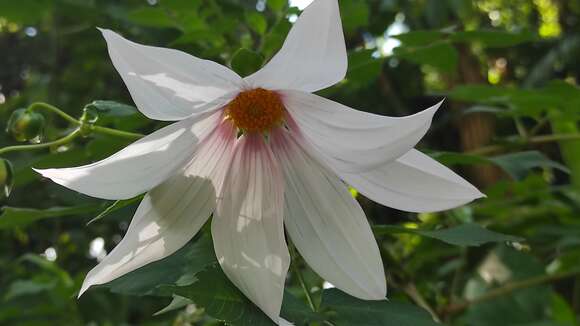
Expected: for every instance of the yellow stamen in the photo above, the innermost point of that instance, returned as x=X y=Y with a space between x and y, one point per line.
x=256 y=110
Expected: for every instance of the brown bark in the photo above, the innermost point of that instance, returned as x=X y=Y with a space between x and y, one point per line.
x=476 y=129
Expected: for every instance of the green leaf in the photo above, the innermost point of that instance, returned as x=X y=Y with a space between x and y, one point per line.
x=518 y=165
x=298 y=312
x=28 y=287
x=222 y=300
x=114 y=207
x=18 y=217
x=492 y=38
x=521 y=307
x=113 y=108
x=25 y=11
x=469 y=234
x=178 y=302
x=352 y=311
x=363 y=68
x=257 y=22
x=151 y=17
x=441 y=55
x=419 y=38
x=245 y=62
x=277 y=5
x=179 y=268
x=358 y=15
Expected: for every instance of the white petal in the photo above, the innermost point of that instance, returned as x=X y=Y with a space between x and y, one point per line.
x=140 y=166
x=327 y=225
x=172 y=213
x=351 y=140
x=247 y=227
x=414 y=183
x=313 y=56
x=167 y=84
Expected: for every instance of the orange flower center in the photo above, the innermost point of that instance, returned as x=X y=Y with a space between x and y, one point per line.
x=256 y=110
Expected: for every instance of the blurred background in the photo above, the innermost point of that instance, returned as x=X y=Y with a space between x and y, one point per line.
x=507 y=68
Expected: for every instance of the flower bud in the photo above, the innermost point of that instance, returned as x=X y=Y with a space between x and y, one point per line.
x=6 y=178
x=25 y=125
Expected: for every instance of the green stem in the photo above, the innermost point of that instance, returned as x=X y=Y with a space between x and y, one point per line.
x=98 y=129
x=304 y=287
x=61 y=141
x=53 y=109
x=115 y=132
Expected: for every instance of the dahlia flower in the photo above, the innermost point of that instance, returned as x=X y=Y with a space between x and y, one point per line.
x=263 y=155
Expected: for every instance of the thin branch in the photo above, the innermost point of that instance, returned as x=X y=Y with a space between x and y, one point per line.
x=507 y=289
x=411 y=290
x=64 y=140
x=486 y=150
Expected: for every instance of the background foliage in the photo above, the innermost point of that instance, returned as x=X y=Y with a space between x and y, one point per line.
x=508 y=69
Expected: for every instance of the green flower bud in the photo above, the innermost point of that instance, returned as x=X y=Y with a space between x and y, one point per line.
x=25 y=125
x=6 y=178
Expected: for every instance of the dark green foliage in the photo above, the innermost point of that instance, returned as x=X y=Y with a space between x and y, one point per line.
x=509 y=71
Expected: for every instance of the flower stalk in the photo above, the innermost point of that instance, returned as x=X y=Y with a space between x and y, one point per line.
x=84 y=128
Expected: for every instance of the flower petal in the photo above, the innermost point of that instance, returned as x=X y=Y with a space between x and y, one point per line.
x=247 y=227
x=165 y=222
x=168 y=84
x=414 y=183
x=327 y=225
x=351 y=140
x=140 y=166
x=313 y=56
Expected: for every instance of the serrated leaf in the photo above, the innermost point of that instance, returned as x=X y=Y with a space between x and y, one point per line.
x=222 y=300
x=19 y=216
x=245 y=62
x=469 y=234
x=352 y=311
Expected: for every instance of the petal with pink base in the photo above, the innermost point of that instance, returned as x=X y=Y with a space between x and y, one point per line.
x=140 y=166
x=172 y=213
x=327 y=225
x=247 y=227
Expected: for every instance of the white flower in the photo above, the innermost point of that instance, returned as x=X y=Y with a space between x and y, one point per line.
x=262 y=153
